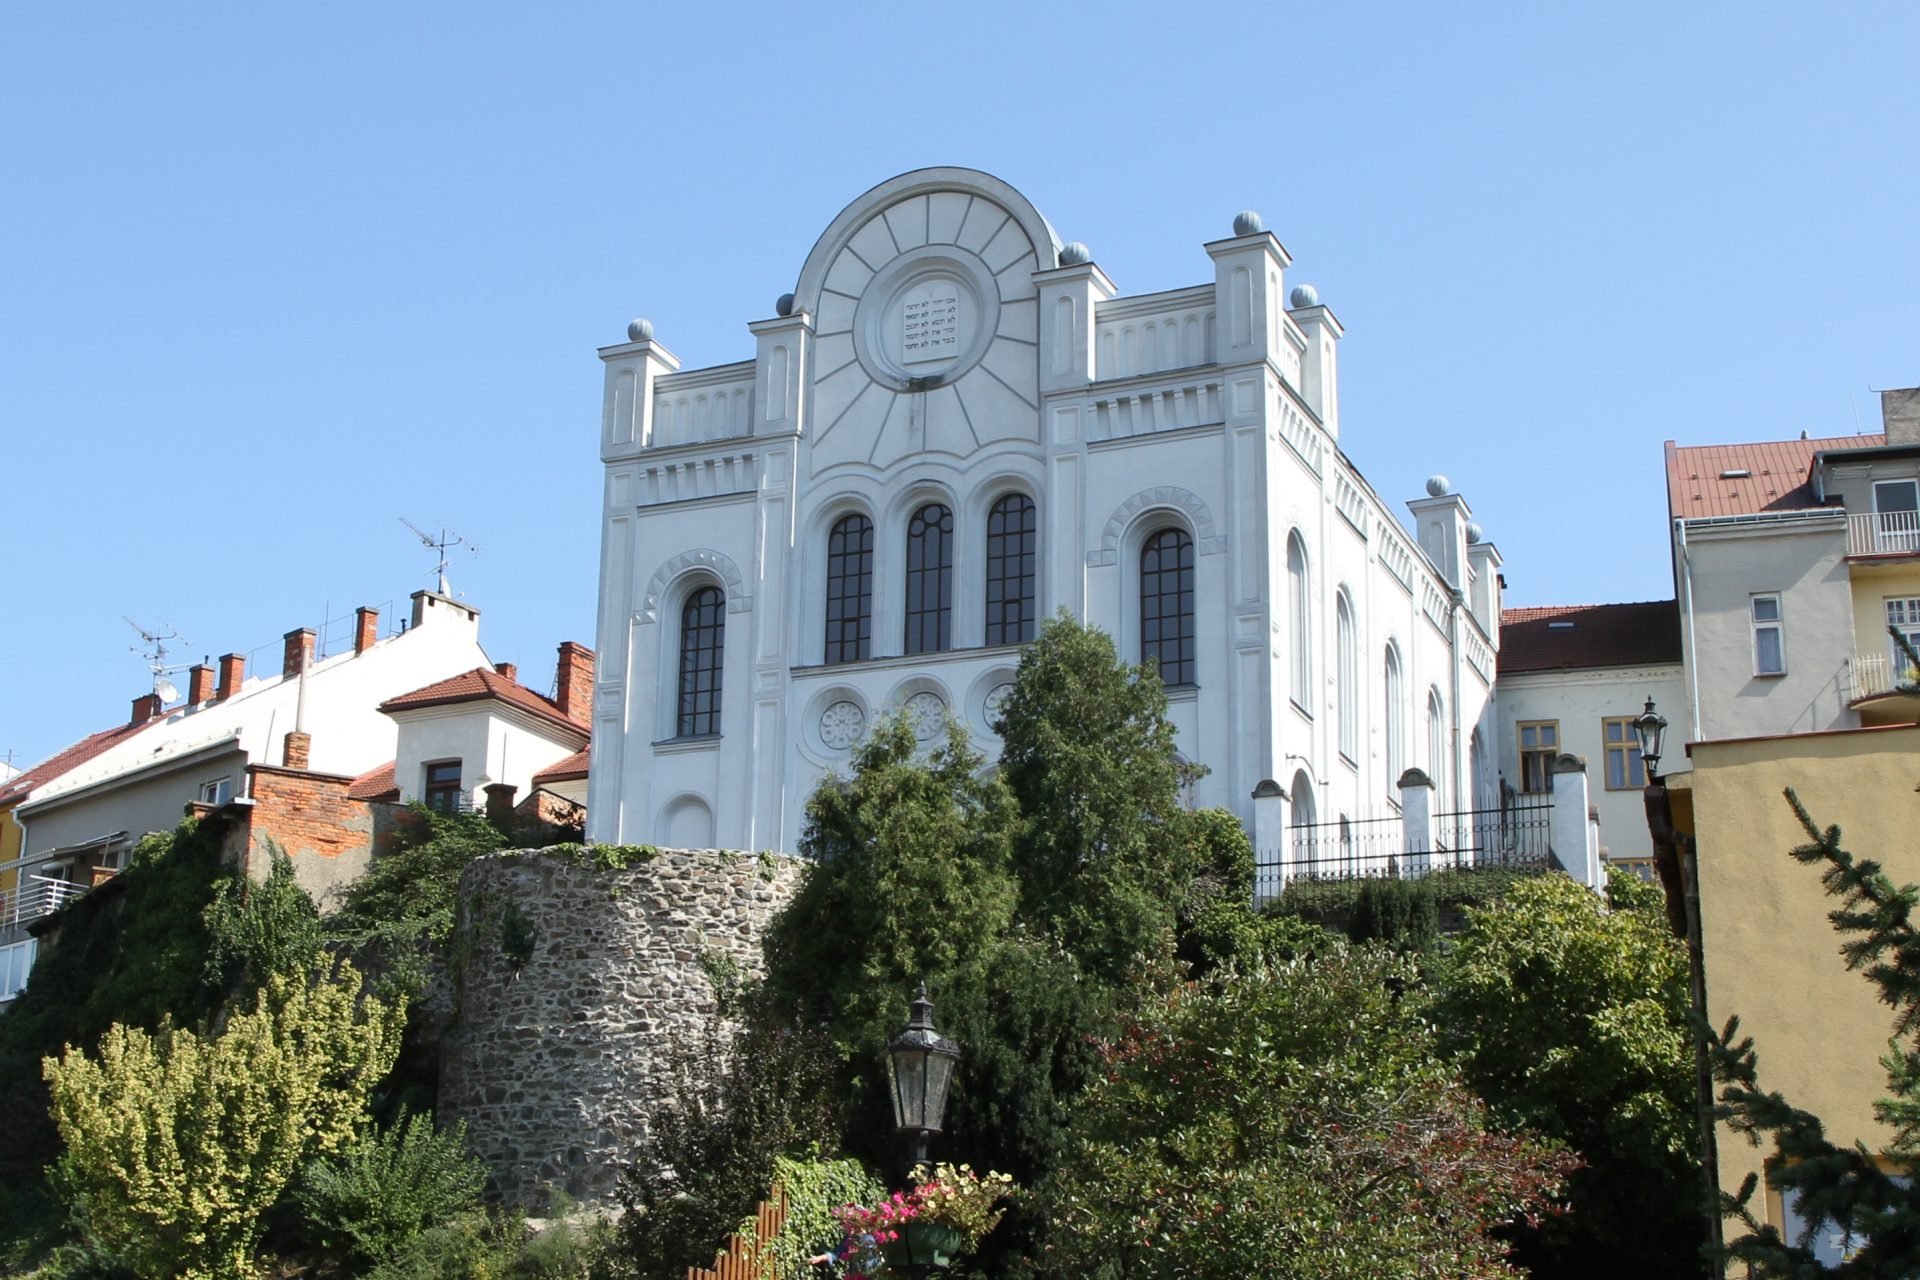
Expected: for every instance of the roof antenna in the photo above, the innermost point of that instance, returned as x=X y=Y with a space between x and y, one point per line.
x=156 y=655
x=448 y=539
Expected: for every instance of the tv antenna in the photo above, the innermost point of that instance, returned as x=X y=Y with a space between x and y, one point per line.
x=448 y=539
x=155 y=653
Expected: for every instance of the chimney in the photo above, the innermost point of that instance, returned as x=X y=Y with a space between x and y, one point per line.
x=508 y=670
x=366 y=628
x=145 y=707
x=573 y=682
x=298 y=653
x=297 y=749
x=1900 y=415
x=500 y=803
x=199 y=684
x=233 y=671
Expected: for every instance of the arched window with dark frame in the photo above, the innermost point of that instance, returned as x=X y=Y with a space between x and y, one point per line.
x=703 y=636
x=1166 y=605
x=1010 y=570
x=850 y=590
x=930 y=580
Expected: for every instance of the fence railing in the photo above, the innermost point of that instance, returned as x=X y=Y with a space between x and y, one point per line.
x=34 y=897
x=1878 y=673
x=1884 y=533
x=1516 y=836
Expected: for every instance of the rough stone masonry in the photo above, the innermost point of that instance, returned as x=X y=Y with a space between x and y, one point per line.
x=572 y=975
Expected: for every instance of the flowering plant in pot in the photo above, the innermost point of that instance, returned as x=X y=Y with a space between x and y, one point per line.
x=943 y=1217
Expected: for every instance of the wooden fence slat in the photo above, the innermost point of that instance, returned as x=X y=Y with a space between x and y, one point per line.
x=749 y=1259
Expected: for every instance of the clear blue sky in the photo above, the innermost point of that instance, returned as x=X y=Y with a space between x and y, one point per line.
x=277 y=275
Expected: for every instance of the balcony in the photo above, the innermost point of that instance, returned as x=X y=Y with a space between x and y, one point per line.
x=1884 y=533
x=34 y=897
x=1513 y=837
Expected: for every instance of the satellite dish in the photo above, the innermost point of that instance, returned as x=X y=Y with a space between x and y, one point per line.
x=166 y=689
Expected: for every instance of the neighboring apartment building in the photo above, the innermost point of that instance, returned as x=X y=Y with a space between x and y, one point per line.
x=954 y=426
x=308 y=717
x=1573 y=678
x=1791 y=559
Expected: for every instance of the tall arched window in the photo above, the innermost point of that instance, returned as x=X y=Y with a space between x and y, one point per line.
x=1010 y=570
x=1300 y=616
x=1396 y=722
x=850 y=590
x=703 y=636
x=1166 y=605
x=1347 y=677
x=930 y=580
x=1437 y=762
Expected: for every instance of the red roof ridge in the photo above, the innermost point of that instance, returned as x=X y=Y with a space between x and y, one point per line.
x=64 y=762
x=574 y=766
x=481 y=683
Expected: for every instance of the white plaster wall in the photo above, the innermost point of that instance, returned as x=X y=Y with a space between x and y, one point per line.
x=491 y=742
x=1803 y=560
x=151 y=801
x=1580 y=701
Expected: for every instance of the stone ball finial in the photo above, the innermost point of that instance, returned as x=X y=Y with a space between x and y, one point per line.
x=1303 y=295
x=1438 y=486
x=1075 y=254
x=640 y=331
x=783 y=305
x=1248 y=223
x=1474 y=532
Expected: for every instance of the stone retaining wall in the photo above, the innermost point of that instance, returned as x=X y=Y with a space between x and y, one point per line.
x=571 y=976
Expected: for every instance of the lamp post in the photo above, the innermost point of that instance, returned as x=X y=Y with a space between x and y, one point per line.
x=1651 y=727
x=920 y=1068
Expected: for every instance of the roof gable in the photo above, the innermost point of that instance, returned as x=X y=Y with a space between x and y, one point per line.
x=479 y=685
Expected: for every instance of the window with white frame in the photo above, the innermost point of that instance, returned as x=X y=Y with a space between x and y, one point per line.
x=1396 y=722
x=1437 y=741
x=216 y=791
x=1769 y=635
x=1300 y=614
x=16 y=962
x=1903 y=616
x=1539 y=744
x=1896 y=515
x=1346 y=678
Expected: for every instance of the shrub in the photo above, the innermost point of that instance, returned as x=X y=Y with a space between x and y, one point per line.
x=1403 y=913
x=177 y=1144
x=386 y=1188
x=258 y=930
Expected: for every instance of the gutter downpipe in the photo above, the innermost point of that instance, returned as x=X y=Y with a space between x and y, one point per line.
x=1693 y=666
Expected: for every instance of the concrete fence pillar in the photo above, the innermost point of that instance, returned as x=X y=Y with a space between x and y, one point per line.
x=1416 y=822
x=1572 y=837
x=1269 y=840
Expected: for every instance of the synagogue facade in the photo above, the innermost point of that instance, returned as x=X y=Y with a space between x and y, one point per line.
x=956 y=425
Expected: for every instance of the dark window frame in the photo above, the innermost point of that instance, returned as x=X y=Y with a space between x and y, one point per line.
x=849 y=616
x=1013 y=544
x=929 y=596
x=442 y=793
x=703 y=643
x=1167 y=605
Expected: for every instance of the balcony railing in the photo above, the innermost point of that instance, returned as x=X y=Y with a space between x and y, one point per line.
x=1884 y=533
x=1514 y=836
x=1875 y=674
x=34 y=897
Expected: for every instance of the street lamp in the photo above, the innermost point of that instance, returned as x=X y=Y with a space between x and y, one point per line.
x=920 y=1068
x=1651 y=727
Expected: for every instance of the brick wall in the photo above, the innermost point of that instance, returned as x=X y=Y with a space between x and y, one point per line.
x=328 y=835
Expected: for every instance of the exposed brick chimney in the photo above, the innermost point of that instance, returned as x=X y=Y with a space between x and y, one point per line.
x=145 y=707
x=573 y=682
x=500 y=803
x=1900 y=415
x=233 y=673
x=199 y=684
x=366 y=628
x=297 y=749
x=298 y=653
x=508 y=670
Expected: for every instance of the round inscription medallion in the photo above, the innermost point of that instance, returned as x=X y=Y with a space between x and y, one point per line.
x=842 y=724
x=928 y=712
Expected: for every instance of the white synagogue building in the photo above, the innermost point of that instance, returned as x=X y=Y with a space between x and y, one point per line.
x=956 y=425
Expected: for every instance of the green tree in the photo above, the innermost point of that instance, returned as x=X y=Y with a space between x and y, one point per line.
x=1571 y=1019
x=381 y=1191
x=1089 y=756
x=1295 y=1120
x=1836 y=1186
x=258 y=930
x=178 y=1143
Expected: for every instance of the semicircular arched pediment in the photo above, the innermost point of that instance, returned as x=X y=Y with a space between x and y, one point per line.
x=716 y=563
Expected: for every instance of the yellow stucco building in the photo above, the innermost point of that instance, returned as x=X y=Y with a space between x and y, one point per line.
x=1770 y=954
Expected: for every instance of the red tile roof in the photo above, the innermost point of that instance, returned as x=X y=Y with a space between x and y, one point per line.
x=1601 y=635
x=18 y=787
x=375 y=784
x=476 y=685
x=574 y=766
x=1777 y=479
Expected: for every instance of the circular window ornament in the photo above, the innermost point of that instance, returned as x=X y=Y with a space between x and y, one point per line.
x=927 y=713
x=996 y=703
x=842 y=724
x=926 y=317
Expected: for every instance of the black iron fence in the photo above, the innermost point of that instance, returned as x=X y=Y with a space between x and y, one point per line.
x=1515 y=836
